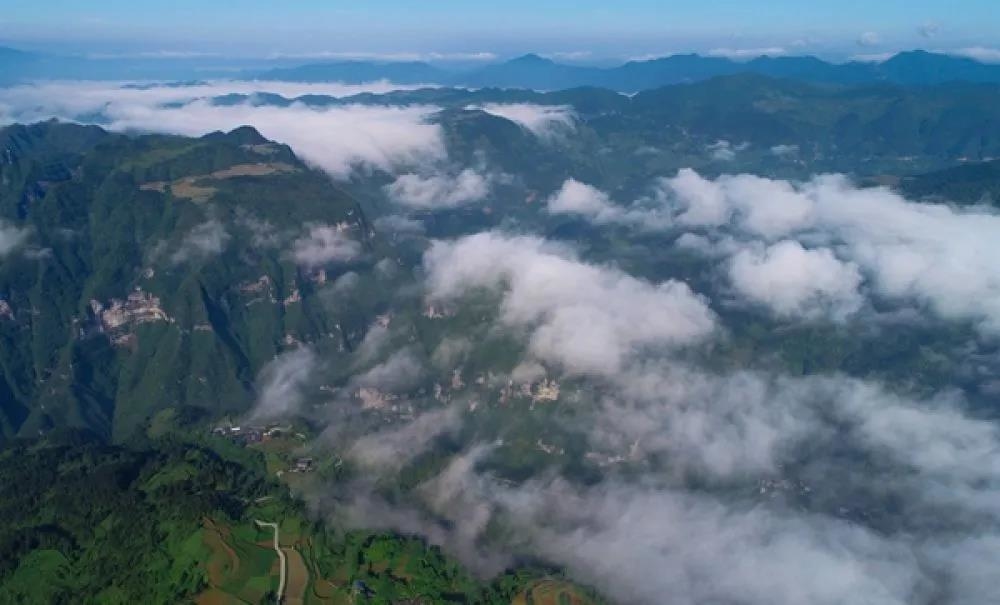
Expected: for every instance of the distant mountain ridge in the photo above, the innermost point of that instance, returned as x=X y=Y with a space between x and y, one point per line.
x=912 y=68
x=530 y=71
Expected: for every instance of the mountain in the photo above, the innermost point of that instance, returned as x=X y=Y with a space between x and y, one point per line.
x=531 y=71
x=922 y=68
x=356 y=72
x=909 y=68
x=970 y=183
x=146 y=272
x=174 y=521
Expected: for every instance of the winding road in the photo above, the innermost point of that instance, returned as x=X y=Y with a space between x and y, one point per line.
x=281 y=558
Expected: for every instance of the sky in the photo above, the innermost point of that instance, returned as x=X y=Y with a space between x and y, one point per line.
x=585 y=30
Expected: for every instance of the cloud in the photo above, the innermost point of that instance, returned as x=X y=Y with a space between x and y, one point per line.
x=282 y=383
x=739 y=54
x=389 y=450
x=775 y=517
x=931 y=253
x=868 y=39
x=795 y=281
x=390 y=56
x=202 y=241
x=929 y=29
x=785 y=150
x=873 y=57
x=724 y=151
x=11 y=237
x=588 y=319
x=544 y=121
x=336 y=139
x=401 y=372
x=439 y=190
x=325 y=244
x=580 y=199
x=982 y=54
x=760 y=206
x=569 y=55
x=644 y=543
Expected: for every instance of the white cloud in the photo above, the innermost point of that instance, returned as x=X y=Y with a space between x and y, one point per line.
x=932 y=253
x=11 y=237
x=544 y=121
x=439 y=190
x=389 y=56
x=643 y=543
x=282 y=383
x=873 y=57
x=724 y=151
x=763 y=207
x=785 y=150
x=580 y=199
x=399 y=373
x=869 y=39
x=983 y=54
x=754 y=543
x=204 y=240
x=587 y=318
x=740 y=54
x=794 y=281
x=336 y=138
x=929 y=29
x=325 y=244
x=393 y=448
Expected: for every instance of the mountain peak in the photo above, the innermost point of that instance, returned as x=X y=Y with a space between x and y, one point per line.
x=531 y=59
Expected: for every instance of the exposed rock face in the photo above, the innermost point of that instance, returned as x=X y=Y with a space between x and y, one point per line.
x=120 y=316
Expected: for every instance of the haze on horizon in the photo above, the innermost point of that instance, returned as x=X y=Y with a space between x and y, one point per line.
x=454 y=31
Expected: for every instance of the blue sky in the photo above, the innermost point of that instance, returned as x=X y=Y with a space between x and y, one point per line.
x=581 y=29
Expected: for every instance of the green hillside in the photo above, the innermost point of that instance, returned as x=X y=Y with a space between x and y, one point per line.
x=156 y=272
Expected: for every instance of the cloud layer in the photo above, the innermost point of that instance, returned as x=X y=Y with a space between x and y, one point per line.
x=587 y=318
x=336 y=139
x=544 y=121
x=439 y=190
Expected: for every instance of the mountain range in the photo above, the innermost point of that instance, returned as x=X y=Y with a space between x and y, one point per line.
x=913 y=68
x=531 y=71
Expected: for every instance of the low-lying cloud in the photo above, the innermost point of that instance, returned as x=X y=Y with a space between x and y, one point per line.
x=439 y=190
x=336 y=139
x=587 y=318
x=932 y=253
x=202 y=241
x=544 y=121
x=795 y=281
x=324 y=244
x=11 y=237
x=282 y=384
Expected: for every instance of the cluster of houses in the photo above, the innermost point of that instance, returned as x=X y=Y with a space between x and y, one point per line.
x=249 y=435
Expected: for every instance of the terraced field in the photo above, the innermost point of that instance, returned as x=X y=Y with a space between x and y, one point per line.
x=238 y=571
x=552 y=592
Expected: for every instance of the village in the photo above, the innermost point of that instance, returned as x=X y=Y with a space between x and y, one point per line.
x=248 y=436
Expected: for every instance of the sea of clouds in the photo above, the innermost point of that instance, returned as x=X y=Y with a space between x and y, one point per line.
x=737 y=486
